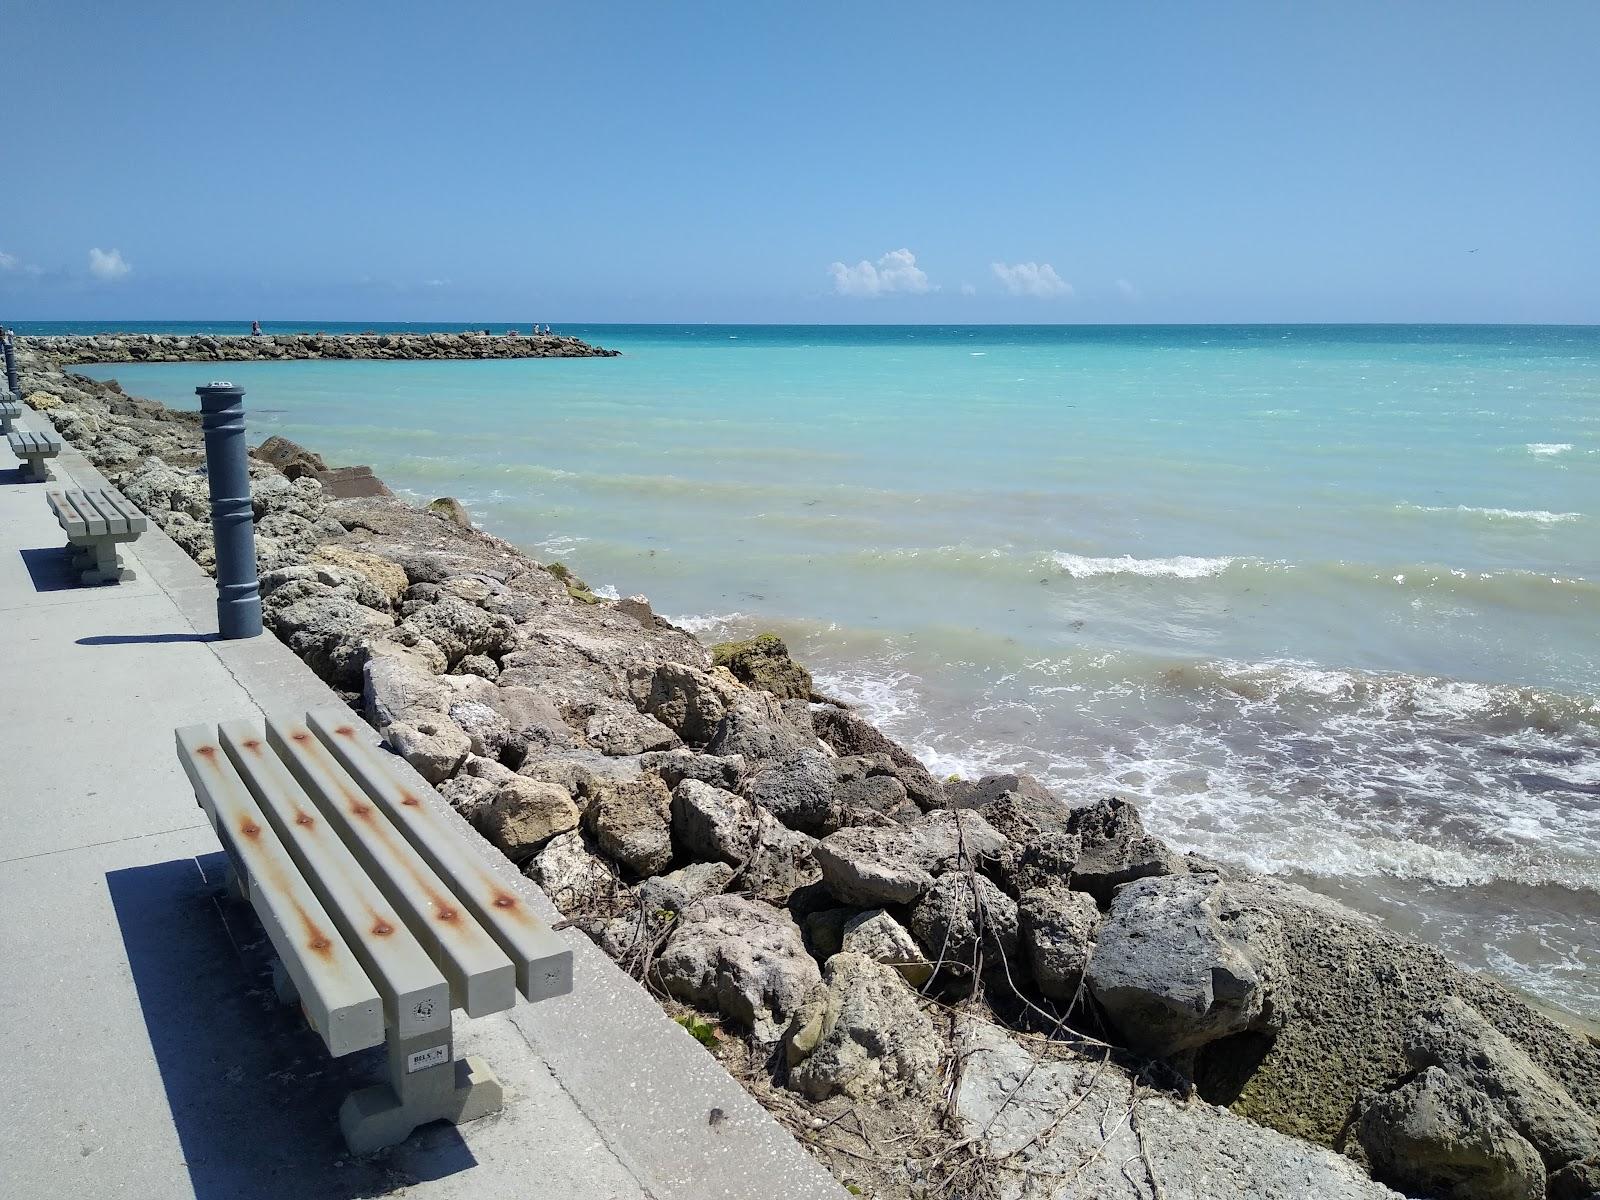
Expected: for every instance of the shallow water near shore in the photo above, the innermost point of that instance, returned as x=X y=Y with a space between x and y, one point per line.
x=1326 y=600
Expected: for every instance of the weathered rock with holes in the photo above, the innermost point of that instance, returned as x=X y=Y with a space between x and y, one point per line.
x=878 y=936
x=1454 y=1036
x=632 y=822
x=393 y=686
x=959 y=915
x=797 y=789
x=763 y=662
x=871 y=866
x=524 y=815
x=572 y=874
x=1181 y=961
x=430 y=743
x=756 y=728
x=1058 y=928
x=741 y=958
x=674 y=766
x=860 y=1032
x=676 y=891
x=1046 y=860
x=1437 y=1136
x=952 y=839
x=490 y=732
x=460 y=629
x=1115 y=849
x=689 y=701
x=849 y=734
x=618 y=729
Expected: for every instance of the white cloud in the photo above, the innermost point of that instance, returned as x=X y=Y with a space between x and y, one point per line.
x=896 y=271
x=968 y=290
x=8 y=262
x=1129 y=292
x=437 y=283
x=108 y=264
x=1032 y=279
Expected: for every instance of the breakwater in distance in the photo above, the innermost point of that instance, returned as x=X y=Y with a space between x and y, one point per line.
x=75 y=349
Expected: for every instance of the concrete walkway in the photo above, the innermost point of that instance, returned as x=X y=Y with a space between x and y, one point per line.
x=144 y=1054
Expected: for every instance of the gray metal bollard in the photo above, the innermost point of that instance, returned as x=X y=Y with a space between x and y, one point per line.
x=12 y=385
x=232 y=516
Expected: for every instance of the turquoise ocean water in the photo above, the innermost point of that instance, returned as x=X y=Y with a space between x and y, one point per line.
x=1326 y=600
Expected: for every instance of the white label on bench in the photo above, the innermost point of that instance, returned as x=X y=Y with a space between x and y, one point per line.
x=431 y=1057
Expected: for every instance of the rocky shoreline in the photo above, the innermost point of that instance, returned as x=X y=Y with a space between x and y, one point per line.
x=75 y=350
x=944 y=988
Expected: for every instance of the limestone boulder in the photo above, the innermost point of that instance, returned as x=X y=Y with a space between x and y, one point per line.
x=964 y=922
x=689 y=701
x=1057 y=927
x=1435 y=1136
x=677 y=890
x=878 y=936
x=741 y=958
x=432 y=744
x=572 y=874
x=1182 y=961
x=860 y=1033
x=763 y=662
x=797 y=789
x=632 y=822
x=619 y=729
x=849 y=734
x=524 y=815
x=1116 y=849
x=869 y=866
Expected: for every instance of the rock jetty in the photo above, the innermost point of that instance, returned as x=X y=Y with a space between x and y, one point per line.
x=66 y=351
x=944 y=988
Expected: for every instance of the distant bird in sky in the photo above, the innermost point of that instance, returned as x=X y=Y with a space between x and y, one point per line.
x=1474 y=250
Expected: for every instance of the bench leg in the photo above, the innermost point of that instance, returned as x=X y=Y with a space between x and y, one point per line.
x=107 y=566
x=426 y=1083
x=5 y=425
x=37 y=469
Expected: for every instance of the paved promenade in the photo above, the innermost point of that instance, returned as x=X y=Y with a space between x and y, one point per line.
x=144 y=1054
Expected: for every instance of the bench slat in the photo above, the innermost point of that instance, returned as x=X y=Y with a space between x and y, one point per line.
x=115 y=522
x=543 y=962
x=339 y=1000
x=94 y=523
x=482 y=979
x=66 y=515
x=416 y=997
x=135 y=519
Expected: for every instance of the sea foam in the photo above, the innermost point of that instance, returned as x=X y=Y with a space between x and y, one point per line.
x=1181 y=566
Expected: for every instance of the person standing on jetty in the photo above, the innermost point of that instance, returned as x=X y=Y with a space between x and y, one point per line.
x=255 y=328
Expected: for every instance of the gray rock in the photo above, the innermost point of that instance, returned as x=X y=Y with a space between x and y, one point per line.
x=676 y=891
x=960 y=913
x=1452 y=1035
x=631 y=822
x=954 y=839
x=870 y=867
x=861 y=1033
x=330 y=634
x=1182 y=961
x=431 y=744
x=617 y=730
x=741 y=958
x=572 y=874
x=524 y=815
x=1051 y=1128
x=1115 y=849
x=710 y=823
x=674 y=766
x=460 y=629
x=962 y=793
x=489 y=731
x=479 y=664
x=1436 y=1136
x=1058 y=929
x=849 y=734
x=878 y=936
x=393 y=686
x=1045 y=860
x=689 y=701
x=756 y=727
x=797 y=789
x=533 y=720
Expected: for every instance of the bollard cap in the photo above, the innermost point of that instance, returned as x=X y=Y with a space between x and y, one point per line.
x=218 y=387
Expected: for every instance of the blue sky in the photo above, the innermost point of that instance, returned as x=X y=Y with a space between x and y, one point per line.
x=597 y=161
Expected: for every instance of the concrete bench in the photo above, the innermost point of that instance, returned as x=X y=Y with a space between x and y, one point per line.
x=95 y=522
x=33 y=449
x=383 y=917
x=10 y=410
